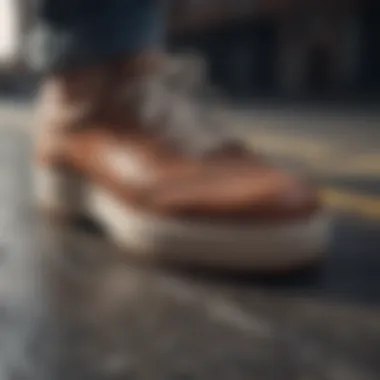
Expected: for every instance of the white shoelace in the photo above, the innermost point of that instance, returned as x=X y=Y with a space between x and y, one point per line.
x=176 y=102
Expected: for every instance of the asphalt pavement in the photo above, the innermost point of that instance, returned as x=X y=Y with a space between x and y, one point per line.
x=71 y=309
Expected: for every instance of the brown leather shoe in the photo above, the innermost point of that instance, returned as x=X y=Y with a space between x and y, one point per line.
x=161 y=176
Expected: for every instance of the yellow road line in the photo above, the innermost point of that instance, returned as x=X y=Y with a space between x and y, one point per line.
x=318 y=155
x=327 y=157
x=367 y=206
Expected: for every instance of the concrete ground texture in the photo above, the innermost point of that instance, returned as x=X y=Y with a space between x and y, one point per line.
x=71 y=309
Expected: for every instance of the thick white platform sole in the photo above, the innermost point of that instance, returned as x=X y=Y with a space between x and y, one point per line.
x=224 y=245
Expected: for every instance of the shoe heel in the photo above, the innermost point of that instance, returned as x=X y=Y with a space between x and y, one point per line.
x=58 y=192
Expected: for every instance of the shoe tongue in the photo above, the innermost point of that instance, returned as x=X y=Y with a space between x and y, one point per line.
x=170 y=113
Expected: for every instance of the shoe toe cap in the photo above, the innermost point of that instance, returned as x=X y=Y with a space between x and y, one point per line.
x=261 y=196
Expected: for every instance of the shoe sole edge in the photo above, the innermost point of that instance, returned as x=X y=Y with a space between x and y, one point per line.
x=146 y=237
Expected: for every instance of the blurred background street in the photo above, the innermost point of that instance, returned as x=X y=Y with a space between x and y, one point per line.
x=314 y=109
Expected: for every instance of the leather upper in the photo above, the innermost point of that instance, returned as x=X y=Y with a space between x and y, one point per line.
x=105 y=140
x=141 y=171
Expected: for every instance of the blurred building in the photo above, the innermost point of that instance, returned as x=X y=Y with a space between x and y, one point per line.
x=258 y=47
x=284 y=47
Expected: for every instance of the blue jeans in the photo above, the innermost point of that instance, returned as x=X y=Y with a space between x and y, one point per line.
x=74 y=33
